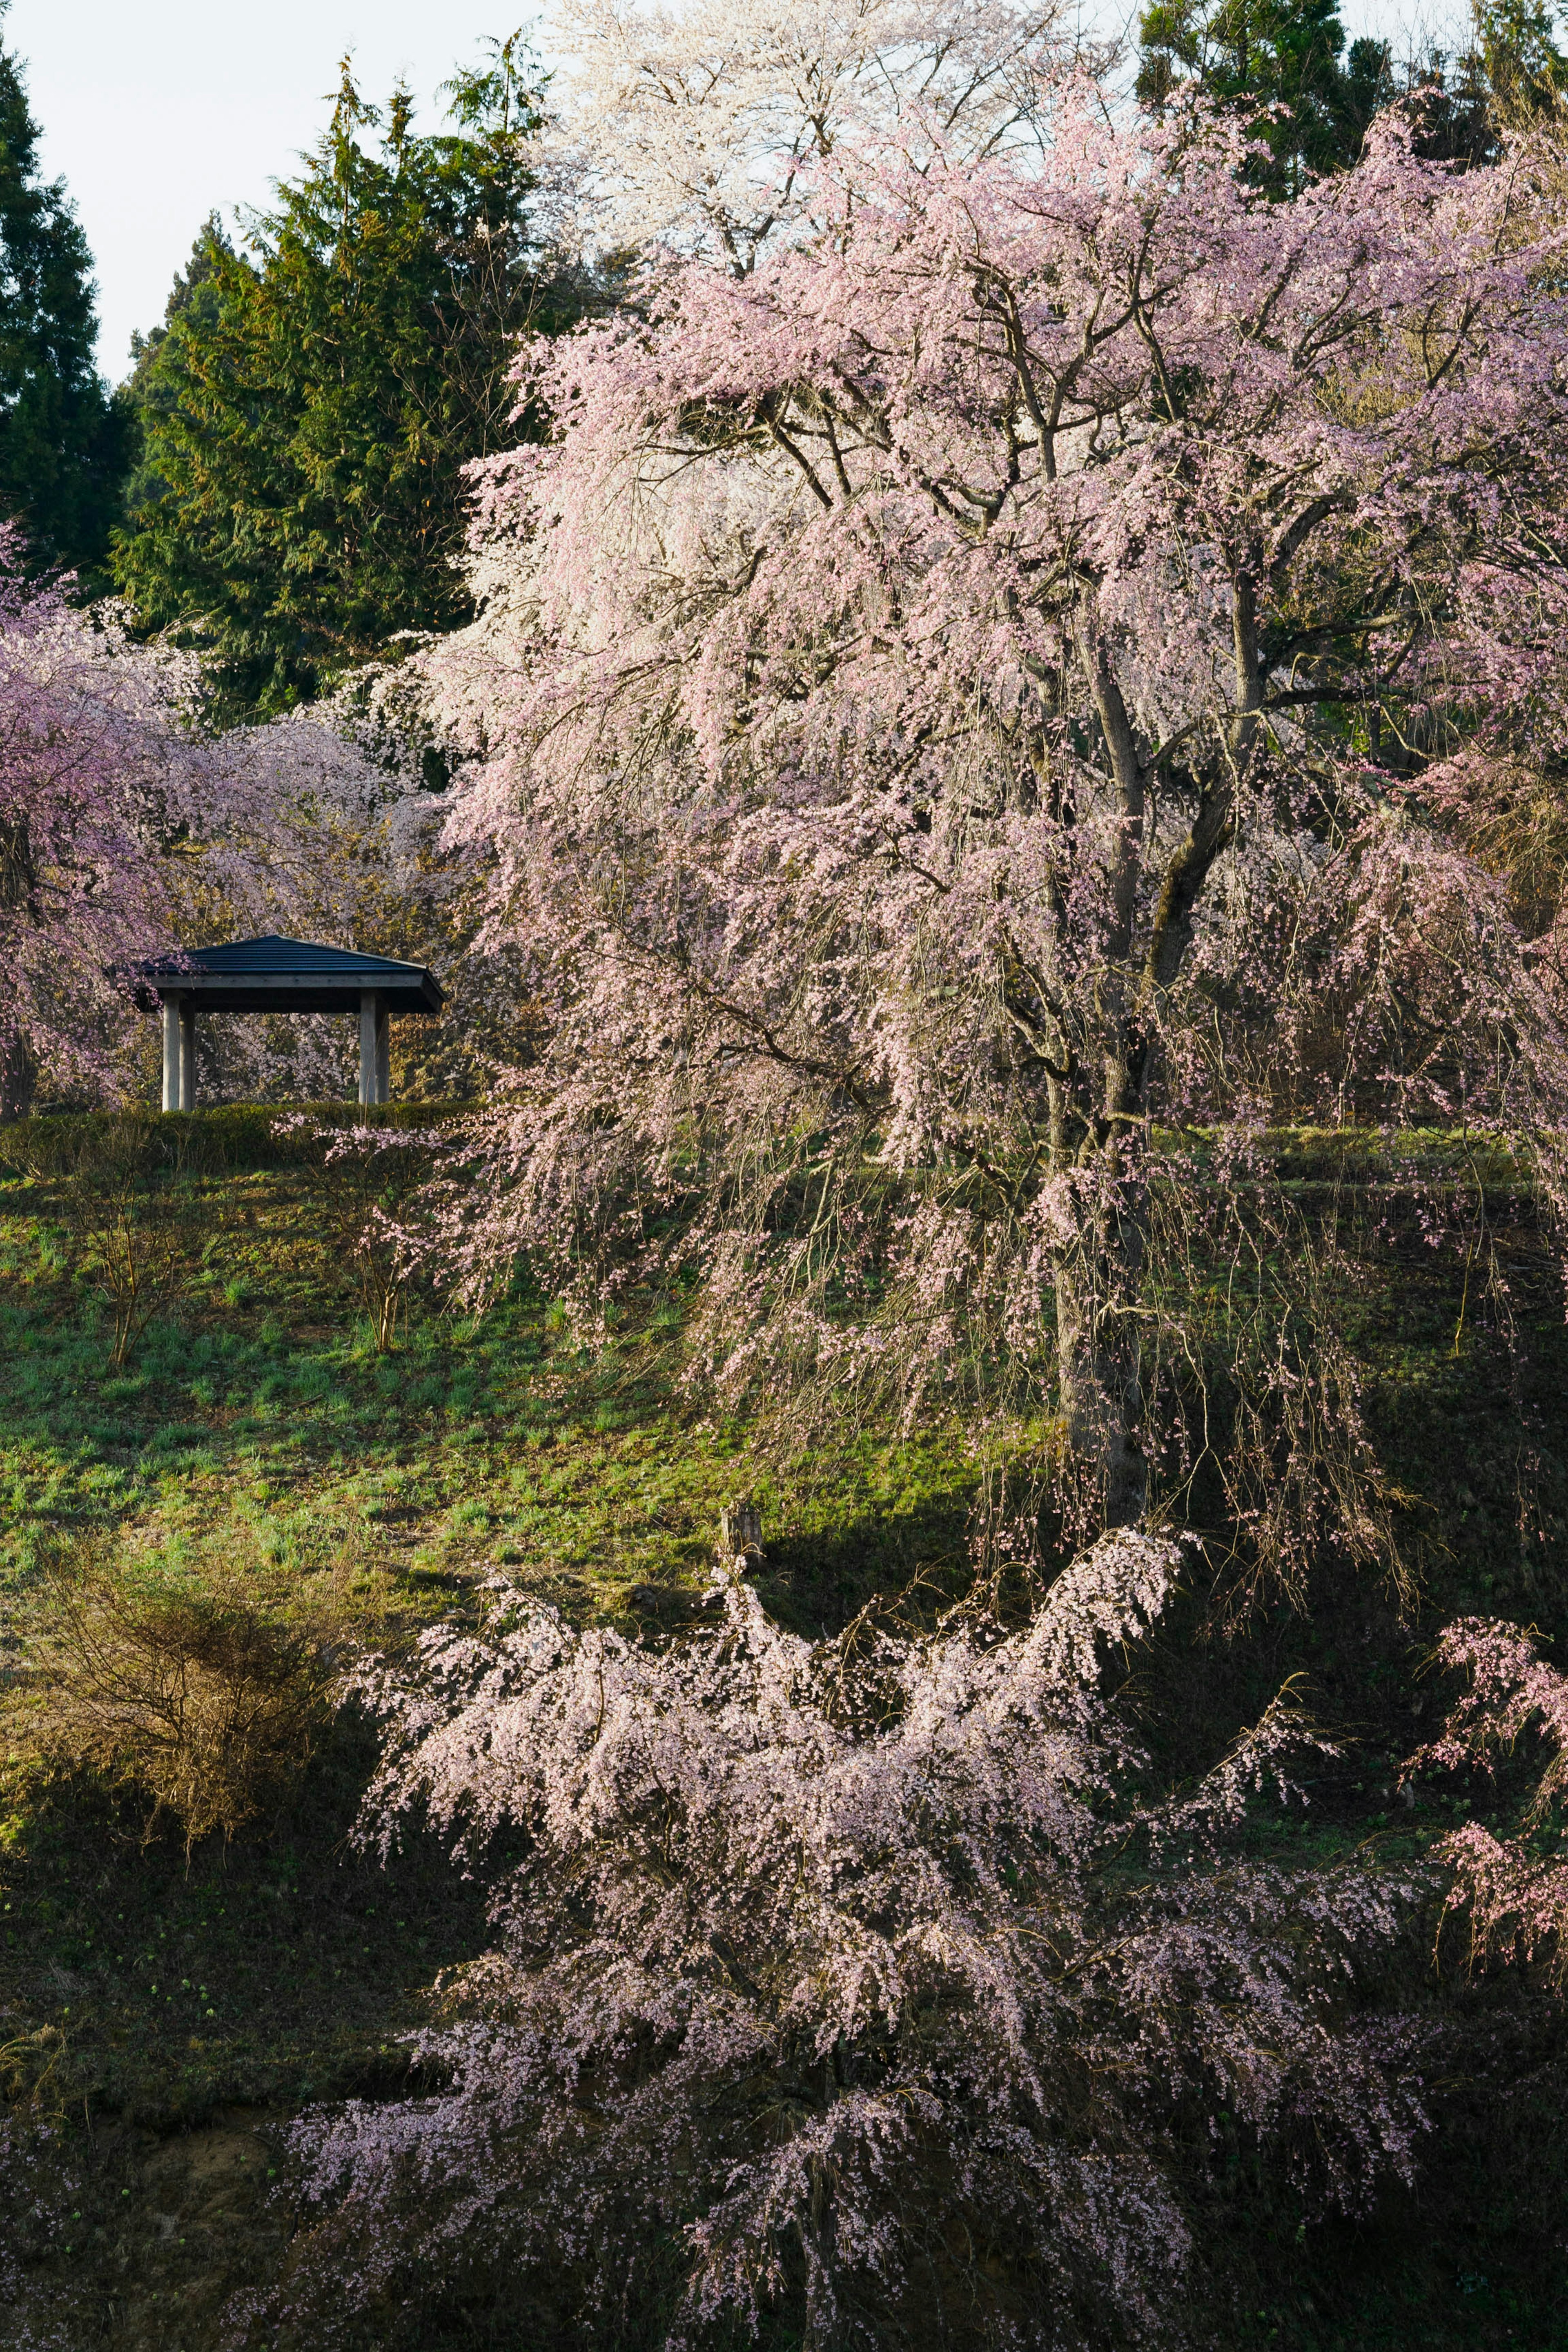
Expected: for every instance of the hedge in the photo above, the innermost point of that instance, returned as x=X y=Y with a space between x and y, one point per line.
x=220 y=1141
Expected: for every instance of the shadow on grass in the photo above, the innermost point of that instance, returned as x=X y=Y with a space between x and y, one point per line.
x=279 y=1969
x=814 y=1582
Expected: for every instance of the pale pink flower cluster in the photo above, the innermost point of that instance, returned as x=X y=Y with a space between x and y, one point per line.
x=702 y=127
x=1513 y=1889
x=941 y=716
x=98 y=783
x=866 y=1980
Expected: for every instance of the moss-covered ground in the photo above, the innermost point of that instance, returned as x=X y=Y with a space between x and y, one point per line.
x=167 y=2014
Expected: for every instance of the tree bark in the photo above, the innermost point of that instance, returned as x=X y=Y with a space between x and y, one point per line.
x=1099 y=1342
x=18 y=880
x=1099 y=1098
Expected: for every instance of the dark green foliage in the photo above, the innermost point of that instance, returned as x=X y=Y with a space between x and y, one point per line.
x=1283 y=66
x=1278 y=62
x=1509 y=74
x=1450 y=103
x=1367 y=86
x=1527 y=72
x=312 y=400
x=149 y=392
x=63 y=441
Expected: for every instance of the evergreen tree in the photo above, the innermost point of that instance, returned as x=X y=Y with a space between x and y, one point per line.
x=312 y=401
x=63 y=439
x=1527 y=72
x=1367 y=86
x=1278 y=62
x=1451 y=105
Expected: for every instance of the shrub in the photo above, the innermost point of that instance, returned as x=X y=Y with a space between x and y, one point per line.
x=205 y=1701
x=131 y=1223
x=862 y=1989
x=370 y=1187
x=220 y=1140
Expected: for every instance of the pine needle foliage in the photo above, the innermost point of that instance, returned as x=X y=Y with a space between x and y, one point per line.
x=62 y=438
x=308 y=407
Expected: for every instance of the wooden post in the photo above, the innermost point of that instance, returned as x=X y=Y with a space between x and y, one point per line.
x=370 y=1019
x=172 y=1052
x=188 y=1052
x=740 y=1529
x=382 y=1054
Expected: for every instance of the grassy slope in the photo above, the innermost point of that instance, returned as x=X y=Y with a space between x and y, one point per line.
x=178 y=2015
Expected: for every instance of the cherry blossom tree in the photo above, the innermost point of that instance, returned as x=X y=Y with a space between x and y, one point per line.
x=90 y=803
x=129 y=828
x=871 y=1985
x=702 y=127
x=126 y=830
x=950 y=711
x=1513 y=1889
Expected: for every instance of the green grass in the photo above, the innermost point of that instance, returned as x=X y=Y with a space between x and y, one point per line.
x=175 y=2015
x=262 y=1415
x=188 y=2008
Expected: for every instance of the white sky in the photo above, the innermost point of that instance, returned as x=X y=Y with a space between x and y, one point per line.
x=156 y=111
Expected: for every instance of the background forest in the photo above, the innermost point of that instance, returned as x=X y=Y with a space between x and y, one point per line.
x=849 y=1639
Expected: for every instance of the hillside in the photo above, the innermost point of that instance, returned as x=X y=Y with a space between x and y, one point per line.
x=167 y=2015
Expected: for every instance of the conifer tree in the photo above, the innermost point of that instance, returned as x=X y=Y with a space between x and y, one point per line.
x=1450 y=105
x=1277 y=61
x=316 y=392
x=1282 y=65
x=63 y=439
x=1527 y=72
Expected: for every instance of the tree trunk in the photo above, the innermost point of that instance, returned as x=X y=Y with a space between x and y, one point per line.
x=1099 y=1148
x=18 y=1078
x=1101 y=1386
x=18 y=1070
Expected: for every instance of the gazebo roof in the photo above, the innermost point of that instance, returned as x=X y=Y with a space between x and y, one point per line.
x=275 y=974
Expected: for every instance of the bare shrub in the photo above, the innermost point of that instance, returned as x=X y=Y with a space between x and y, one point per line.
x=368 y=1185
x=207 y=1702
x=131 y=1218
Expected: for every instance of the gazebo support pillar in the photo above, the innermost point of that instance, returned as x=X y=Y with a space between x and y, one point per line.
x=187 y=1054
x=170 y=1053
x=179 y=1053
x=273 y=974
x=375 y=1048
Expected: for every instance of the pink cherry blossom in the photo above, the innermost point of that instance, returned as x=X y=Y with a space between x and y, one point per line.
x=869 y=1980
x=129 y=830
x=1512 y=1888
x=949 y=711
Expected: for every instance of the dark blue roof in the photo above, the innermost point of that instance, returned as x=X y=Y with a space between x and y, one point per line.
x=274 y=952
x=275 y=974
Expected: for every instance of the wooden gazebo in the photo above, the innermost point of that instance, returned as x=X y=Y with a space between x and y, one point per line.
x=280 y=975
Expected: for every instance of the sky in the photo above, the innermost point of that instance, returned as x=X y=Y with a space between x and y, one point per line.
x=155 y=113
